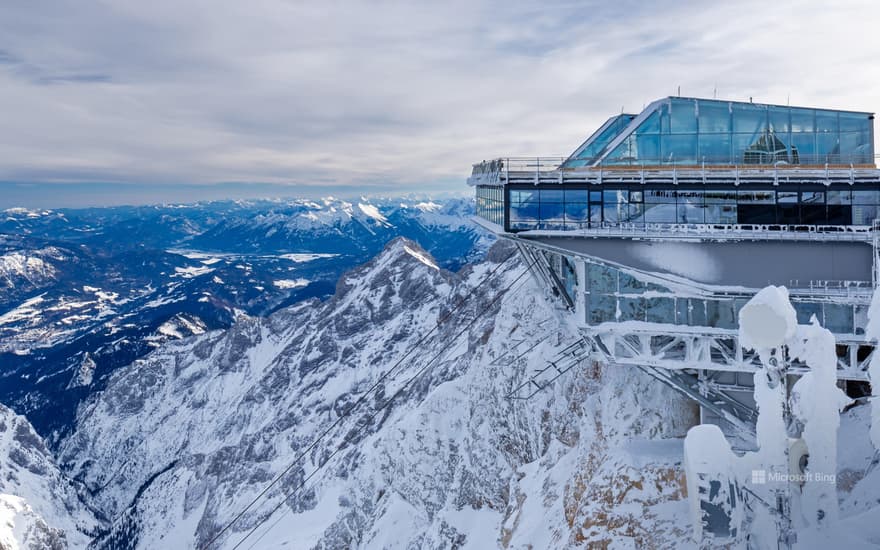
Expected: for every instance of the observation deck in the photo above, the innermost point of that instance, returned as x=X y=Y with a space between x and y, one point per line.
x=660 y=226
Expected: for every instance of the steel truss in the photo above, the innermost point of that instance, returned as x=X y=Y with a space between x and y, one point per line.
x=707 y=365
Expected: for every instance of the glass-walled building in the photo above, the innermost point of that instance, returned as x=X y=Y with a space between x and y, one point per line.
x=687 y=131
x=696 y=161
x=567 y=208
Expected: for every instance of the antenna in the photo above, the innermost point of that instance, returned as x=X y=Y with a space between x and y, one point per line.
x=788 y=100
x=715 y=91
x=679 y=90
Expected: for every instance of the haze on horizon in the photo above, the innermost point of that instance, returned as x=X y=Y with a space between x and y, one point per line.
x=128 y=102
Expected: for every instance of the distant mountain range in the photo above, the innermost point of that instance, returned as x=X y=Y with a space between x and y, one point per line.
x=86 y=291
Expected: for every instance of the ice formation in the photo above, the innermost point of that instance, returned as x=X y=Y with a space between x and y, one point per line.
x=708 y=458
x=766 y=322
x=817 y=402
x=872 y=333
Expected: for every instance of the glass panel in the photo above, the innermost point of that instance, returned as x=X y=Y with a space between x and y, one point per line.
x=596 y=213
x=838 y=318
x=749 y=119
x=660 y=196
x=683 y=117
x=632 y=309
x=826 y=122
x=780 y=119
x=576 y=195
x=601 y=309
x=681 y=311
x=839 y=215
x=660 y=213
x=828 y=147
x=647 y=148
x=635 y=196
x=651 y=125
x=690 y=207
x=865 y=197
x=864 y=214
x=721 y=213
x=855 y=147
x=630 y=284
x=602 y=279
x=720 y=197
x=813 y=197
x=803 y=148
x=679 y=148
x=813 y=214
x=854 y=122
x=802 y=120
x=615 y=196
x=552 y=211
x=721 y=313
x=697 y=311
x=576 y=212
x=661 y=310
x=805 y=310
x=756 y=213
x=631 y=213
x=524 y=212
x=787 y=196
x=715 y=148
x=518 y=197
x=714 y=117
x=551 y=195
x=755 y=197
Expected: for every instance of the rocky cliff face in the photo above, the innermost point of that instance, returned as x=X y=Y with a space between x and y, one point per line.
x=40 y=508
x=182 y=441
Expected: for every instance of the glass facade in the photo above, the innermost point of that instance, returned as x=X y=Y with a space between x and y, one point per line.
x=490 y=203
x=686 y=131
x=567 y=208
x=614 y=295
x=595 y=144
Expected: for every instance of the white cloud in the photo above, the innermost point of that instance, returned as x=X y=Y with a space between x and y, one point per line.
x=376 y=93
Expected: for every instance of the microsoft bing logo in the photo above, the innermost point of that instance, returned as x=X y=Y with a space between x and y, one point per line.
x=759 y=477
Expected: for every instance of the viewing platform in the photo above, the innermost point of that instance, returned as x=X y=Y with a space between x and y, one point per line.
x=658 y=229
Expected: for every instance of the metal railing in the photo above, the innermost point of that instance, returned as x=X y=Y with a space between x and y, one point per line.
x=553 y=163
x=855 y=233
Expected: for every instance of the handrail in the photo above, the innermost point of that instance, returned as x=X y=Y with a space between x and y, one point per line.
x=715 y=231
x=554 y=163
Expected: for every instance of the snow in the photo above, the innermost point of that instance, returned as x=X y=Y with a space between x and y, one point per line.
x=291 y=283
x=420 y=257
x=306 y=257
x=84 y=373
x=26 y=310
x=190 y=272
x=373 y=212
x=872 y=333
x=817 y=402
x=707 y=457
x=767 y=320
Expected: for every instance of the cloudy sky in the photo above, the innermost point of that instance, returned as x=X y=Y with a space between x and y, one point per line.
x=131 y=100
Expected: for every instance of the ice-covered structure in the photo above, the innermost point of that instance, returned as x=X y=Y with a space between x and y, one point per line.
x=659 y=228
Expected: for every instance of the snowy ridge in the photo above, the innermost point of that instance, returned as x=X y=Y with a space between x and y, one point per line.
x=451 y=462
x=39 y=506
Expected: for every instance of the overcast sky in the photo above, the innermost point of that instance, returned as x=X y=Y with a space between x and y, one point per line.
x=167 y=97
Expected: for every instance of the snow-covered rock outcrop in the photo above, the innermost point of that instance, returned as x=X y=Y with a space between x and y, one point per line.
x=39 y=507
